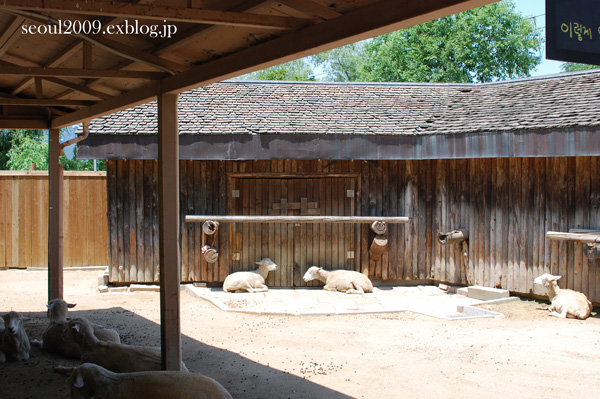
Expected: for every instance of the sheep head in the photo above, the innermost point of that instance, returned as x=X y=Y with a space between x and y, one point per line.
x=13 y=322
x=57 y=308
x=546 y=279
x=312 y=273
x=79 y=329
x=268 y=263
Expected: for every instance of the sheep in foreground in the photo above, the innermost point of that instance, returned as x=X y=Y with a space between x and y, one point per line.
x=117 y=357
x=564 y=302
x=347 y=281
x=253 y=281
x=56 y=340
x=14 y=341
x=92 y=381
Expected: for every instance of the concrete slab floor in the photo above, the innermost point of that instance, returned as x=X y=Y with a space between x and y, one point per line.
x=426 y=300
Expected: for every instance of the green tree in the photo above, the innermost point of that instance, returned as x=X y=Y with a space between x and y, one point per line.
x=297 y=70
x=573 y=67
x=20 y=148
x=343 y=64
x=27 y=147
x=481 y=45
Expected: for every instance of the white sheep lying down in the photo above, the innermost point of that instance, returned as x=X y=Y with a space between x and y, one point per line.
x=93 y=381
x=14 y=342
x=564 y=302
x=252 y=281
x=347 y=281
x=56 y=339
x=113 y=356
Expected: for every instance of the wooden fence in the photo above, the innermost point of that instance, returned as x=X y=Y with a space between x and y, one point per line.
x=24 y=219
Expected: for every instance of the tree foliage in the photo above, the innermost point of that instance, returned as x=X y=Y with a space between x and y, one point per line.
x=574 y=67
x=20 y=148
x=481 y=45
x=489 y=43
x=297 y=70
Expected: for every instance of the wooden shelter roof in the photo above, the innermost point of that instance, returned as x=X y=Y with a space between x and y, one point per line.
x=436 y=119
x=51 y=79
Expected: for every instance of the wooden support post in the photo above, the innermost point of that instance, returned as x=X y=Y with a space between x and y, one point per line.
x=378 y=246
x=169 y=252
x=55 y=218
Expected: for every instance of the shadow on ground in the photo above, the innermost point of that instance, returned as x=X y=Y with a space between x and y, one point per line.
x=243 y=378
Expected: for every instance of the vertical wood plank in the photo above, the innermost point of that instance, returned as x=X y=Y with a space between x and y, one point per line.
x=410 y=231
x=3 y=220
x=148 y=227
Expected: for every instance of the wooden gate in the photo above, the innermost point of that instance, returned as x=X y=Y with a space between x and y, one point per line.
x=294 y=247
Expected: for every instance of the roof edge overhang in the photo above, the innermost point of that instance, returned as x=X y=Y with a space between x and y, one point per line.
x=576 y=141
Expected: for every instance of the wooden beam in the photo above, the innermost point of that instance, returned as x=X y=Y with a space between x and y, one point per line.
x=311 y=8
x=55 y=218
x=40 y=102
x=161 y=13
x=79 y=88
x=23 y=122
x=39 y=91
x=78 y=73
x=168 y=230
x=10 y=34
x=136 y=55
x=296 y=219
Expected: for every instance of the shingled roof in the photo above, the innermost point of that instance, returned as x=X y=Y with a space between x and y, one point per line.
x=558 y=101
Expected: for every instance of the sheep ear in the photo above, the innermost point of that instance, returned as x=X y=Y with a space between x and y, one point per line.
x=71 y=305
x=26 y=319
x=555 y=278
x=50 y=305
x=76 y=327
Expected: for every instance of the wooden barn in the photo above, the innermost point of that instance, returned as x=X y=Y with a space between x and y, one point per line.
x=506 y=162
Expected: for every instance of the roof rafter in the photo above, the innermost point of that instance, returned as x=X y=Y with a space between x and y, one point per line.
x=79 y=88
x=37 y=102
x=78 y=73
x=156 y=12
x=8 y=36
x=311 y=8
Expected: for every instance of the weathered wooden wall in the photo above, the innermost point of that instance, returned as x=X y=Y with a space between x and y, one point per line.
x=507 y=204
x=24 y=219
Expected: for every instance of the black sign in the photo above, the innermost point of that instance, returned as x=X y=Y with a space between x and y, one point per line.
x=573 y=31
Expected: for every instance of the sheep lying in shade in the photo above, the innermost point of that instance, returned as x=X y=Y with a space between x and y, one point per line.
x=564 y=302
x=14 y=341
x=56 y=339
x=347 y=281
x=113 y=356
x=92 y=381
x=253 y=281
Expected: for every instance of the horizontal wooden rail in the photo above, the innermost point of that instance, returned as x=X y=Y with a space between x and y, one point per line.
x=296 y=219
x=578 y=237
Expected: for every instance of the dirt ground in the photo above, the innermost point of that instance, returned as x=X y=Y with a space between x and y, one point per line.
x=525 y=354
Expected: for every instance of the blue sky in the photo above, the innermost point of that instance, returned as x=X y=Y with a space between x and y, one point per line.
x=537 y=9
